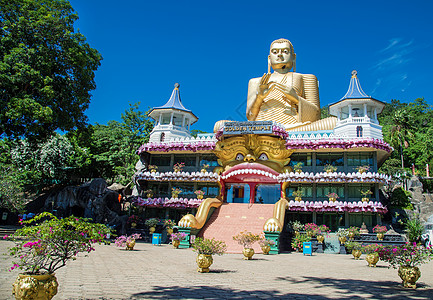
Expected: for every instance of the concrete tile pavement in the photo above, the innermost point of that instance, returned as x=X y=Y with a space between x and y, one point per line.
x=161 y=272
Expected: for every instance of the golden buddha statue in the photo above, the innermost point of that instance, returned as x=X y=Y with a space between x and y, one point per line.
x=286 y=97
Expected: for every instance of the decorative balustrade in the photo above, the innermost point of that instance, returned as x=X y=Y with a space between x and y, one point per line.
x=323 y=143
x=167 y=202
x=178 y=176
x=178 y=144
x=371 y=177
x=337 y=206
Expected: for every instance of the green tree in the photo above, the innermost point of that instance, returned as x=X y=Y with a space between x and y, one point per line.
x=11 y=192
x=46 y=68
x=402 y=131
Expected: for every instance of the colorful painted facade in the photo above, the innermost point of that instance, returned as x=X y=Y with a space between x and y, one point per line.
x=327 y=176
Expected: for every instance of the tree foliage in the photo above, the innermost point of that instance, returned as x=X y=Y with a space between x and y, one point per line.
x=408 y=127
x=46 y=68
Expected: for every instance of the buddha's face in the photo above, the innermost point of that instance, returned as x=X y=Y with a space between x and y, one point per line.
x=281 y=57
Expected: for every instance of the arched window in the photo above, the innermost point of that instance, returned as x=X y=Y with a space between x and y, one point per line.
x=162 y=137
x=358 y=131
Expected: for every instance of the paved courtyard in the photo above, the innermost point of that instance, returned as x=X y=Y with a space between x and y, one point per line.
x=161 y=272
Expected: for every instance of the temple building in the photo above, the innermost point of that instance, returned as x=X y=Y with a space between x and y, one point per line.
x=282 y=165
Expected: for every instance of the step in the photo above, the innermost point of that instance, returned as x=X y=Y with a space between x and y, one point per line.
x=232 y=218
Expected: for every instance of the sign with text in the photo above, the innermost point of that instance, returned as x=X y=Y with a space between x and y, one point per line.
x=248 y=127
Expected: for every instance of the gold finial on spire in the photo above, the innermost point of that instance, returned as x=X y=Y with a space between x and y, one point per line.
x=354 y=73
x=176 y=86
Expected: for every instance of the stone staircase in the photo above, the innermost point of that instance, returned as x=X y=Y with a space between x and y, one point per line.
x=231 y=218
x=7 y=230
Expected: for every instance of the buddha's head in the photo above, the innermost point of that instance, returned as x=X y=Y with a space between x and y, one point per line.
x=282 y=57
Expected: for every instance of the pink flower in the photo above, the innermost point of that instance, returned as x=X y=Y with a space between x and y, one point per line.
x=5 y=236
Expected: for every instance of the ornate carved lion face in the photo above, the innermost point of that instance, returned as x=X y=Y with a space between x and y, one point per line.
x=252 y=149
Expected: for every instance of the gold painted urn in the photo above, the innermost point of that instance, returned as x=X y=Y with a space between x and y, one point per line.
x=320 y=239
x=130 y=245
x=266 y=249
x=356 y=254
x=409 y=276
x=37 y=287
x=248 y=253
x=372 y=259
x=380 y=236
x=204 y=261
x=176 y=244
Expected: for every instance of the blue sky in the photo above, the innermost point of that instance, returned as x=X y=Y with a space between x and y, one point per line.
x=213 y=48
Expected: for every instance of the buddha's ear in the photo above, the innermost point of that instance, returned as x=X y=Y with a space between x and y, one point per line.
x=269 y=64
x=294 y=62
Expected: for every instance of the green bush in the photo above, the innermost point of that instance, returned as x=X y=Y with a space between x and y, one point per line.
x=401 y=198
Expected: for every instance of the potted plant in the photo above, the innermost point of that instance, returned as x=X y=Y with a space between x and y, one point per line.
x=297 y=168
x=363 y=169
x=246 y=239
x=332 y=197
x=342 y=234
x=148 y=193
x=133 y=220
x=298 y=194
x=353 y=231
x=153 y=168
x=199 y=194
x=406 y=258
x=151 y=223
x=297 y=226
x=175 y=192
x=169 y=224
x=128 y=241
x=176 y=238
x=298 y=241
x=205 y=249
x=311 y=229
x=365 y=195
x=178 y=167
x=355 y=248
x=372 y=254
x=265 y=245
x=320 y=232
x=330 y=168
x=380 y=231
x=44 y=245
x=204 y=168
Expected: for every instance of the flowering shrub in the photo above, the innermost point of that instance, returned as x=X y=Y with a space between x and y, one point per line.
x=351 y=245
x=264 y=242
x=199 y=192
x=297 y=226
x=333 y=195
x=298 y=167
x=169 y=223
x=209 y=246
x=298 y=241
x=408 y=255
x=152 y=222
x=298 y=193
x=362 y=169
x=354 y=230
x=379 y=229
x=46 y=243
x=134 y=219
x=246 y=238
x=323 y=229
x=178 y=236
x=342 y=232
x=122 y=240
x=153 y=168
x=179 y=166
x=372 y=248
x=311 y=227
x=330 y=168
x=175 y=192
x=365 y=193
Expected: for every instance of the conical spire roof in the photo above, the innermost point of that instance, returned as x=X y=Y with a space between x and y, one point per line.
x=355 y=91
x=174 y=101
